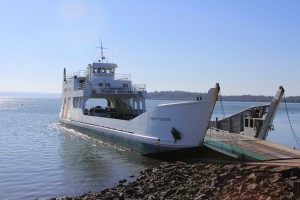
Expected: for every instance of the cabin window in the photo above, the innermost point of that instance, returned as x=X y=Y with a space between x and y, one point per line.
x=246 y=122
x=75 y=102
x=100 y=84
x=108 y=71
x=94 y=70
x=125 y=85
x=102 y=71
x=107 y=84
x=81 y=84
x=251 y=123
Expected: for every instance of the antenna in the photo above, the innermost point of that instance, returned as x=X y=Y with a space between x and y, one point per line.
x=102 y=55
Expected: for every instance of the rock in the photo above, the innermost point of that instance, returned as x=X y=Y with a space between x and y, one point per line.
x=122 y=181
x=181 y=164
x=155 y=170
x=192 y=191
x=238 y=177
x=208 y=166
x=269 y=198
x=200 y=197
x=252 y=178
x=168 y=193
x=241 y=188
x=104 y=190
x=121 y=196
x=130 y=191
x=252 y=187
x=276 y=179
x=181 y=190
x=221 y=178
x=294 y=178
x=204 y=181
x=209 y=193
x=229 y=167
x=251 y=167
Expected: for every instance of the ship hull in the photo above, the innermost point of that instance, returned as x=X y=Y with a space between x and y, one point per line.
x=163 y=128
x=114 y=138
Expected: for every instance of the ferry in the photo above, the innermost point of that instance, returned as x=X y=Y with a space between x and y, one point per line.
x=123 y=119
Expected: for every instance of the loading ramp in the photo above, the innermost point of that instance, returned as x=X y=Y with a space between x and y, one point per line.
x=247 y=148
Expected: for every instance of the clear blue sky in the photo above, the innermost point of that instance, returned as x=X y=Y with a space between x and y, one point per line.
x=249 y=47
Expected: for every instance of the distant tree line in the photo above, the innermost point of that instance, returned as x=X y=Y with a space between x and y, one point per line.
x=182 y=95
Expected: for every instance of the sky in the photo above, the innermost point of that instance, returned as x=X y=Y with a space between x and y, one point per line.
x=248 y=47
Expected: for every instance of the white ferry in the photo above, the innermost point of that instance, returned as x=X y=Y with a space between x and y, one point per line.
x=124 y=119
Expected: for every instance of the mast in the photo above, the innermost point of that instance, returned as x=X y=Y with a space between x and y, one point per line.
x=65 y=76
x=102 y=55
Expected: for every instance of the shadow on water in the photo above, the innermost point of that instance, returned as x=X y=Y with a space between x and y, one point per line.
x=192 y=155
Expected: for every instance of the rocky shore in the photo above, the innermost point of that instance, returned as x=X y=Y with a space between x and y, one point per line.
x=197 y=181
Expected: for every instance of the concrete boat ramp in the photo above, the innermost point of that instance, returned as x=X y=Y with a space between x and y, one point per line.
x=248 y=148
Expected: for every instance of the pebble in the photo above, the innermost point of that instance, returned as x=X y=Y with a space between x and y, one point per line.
x=197 y=181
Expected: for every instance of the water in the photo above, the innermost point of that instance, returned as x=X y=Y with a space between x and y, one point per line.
x=40 y=159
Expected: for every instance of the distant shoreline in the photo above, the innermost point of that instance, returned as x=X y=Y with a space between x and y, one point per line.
x=181 y=95
x=162 y=95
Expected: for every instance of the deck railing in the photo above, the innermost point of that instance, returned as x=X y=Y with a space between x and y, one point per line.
x=134 y=88
x=81 y=73
x=85 y=73
x=124 y=77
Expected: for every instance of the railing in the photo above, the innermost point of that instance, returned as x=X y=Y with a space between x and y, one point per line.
x=81 y=73
x=84 y=73
x=124 y=77
x=134 y=88
x=139 y=87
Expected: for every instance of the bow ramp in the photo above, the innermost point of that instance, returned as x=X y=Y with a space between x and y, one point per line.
x=243 y=134
x=246 y=148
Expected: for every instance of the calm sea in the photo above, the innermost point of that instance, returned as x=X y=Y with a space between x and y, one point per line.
x=40 y=159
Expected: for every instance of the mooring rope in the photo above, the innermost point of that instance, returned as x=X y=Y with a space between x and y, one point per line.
x=231 y=139
x=288 y=115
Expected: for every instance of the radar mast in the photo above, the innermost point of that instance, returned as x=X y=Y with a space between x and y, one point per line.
x=102 y=55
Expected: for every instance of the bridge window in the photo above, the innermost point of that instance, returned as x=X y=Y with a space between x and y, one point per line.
x=246 y=122
x=100 y=84
x=125 y=85
x=251 y=123
x=107 y=84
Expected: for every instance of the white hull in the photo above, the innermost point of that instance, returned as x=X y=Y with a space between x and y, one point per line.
x=150 y=132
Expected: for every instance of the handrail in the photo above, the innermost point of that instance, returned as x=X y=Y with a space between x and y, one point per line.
x=125 y=77
x=135 y=87
x=85 y=73
x=81 y=73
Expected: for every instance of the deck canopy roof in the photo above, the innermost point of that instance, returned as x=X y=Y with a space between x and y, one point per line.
x=103 y=65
